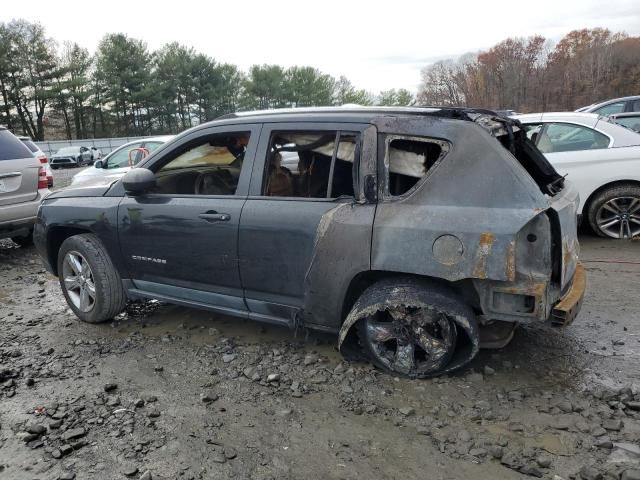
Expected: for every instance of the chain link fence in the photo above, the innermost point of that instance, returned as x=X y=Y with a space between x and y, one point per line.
x=105 y=145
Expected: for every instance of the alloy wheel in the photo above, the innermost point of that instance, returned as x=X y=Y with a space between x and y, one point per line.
x=78 y=281
x=411 y=341
x=619 y=217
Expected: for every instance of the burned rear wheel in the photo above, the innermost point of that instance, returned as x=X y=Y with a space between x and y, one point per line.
x=412 y=327
x=407 y=340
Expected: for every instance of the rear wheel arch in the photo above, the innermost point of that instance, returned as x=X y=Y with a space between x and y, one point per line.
x=364 y=280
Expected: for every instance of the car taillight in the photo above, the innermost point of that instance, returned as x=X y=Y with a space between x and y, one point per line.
x=43 y=159
x=42 y=178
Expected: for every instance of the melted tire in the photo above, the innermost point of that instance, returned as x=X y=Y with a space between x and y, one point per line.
x=110 y=296
x=410 y=293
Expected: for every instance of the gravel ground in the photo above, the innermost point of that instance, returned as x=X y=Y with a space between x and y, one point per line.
x=62 y=176
x=168 y=392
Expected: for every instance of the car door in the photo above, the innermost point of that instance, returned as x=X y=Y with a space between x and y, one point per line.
x=180 y=240
x=294 y=196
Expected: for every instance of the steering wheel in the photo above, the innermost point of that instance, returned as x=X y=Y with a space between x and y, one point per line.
x=209 y=183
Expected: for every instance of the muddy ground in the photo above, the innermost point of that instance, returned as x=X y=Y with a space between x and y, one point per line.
x=169 y=392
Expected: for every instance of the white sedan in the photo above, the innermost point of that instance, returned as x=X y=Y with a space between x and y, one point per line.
x=119 y=162
x=601 y=159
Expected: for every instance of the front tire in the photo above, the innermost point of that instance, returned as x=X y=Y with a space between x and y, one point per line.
x=615 y=212
x=89 y=281
x=412 y=328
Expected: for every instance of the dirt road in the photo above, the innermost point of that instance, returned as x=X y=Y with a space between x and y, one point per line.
x=167 y=392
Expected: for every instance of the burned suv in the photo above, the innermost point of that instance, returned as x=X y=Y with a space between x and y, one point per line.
x=417 y=234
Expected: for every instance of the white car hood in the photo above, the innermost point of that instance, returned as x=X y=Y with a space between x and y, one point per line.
x=95 y=180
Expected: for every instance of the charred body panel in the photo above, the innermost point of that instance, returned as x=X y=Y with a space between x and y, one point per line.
x=489 y=231
x=336 y=262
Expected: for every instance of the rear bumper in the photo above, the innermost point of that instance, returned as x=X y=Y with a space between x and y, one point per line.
x=63 y=162
x=18 y=219
x=566 y=310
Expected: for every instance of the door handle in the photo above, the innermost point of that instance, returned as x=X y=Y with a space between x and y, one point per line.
x=213 y=216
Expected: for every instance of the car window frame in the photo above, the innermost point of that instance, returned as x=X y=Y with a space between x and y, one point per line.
x=260 y=164
x=545 y=126
x=176 y=148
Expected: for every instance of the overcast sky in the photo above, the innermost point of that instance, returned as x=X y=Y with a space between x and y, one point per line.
x=377 y=45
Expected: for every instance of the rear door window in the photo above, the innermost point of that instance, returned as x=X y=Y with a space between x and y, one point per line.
x=617 y=107
x=566 y=137
x=309 y=164
x=11 y=148
x=630 y=122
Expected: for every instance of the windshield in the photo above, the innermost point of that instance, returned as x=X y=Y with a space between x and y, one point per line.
x=68 y=150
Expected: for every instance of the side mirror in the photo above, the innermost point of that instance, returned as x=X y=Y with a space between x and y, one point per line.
x=370 y=188
x=138 y=180
x=97 y=164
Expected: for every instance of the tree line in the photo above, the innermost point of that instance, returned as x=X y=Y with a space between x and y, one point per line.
x=126 y=89
x=534 y=75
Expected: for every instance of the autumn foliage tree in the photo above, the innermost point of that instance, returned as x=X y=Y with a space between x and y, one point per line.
x=528 y=74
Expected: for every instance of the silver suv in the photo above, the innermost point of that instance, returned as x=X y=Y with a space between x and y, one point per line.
x=23 y=184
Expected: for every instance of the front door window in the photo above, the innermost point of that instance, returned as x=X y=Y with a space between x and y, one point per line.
x=120 y=158
x=209 y=167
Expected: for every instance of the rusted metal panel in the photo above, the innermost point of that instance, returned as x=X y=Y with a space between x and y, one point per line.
x=565 y=311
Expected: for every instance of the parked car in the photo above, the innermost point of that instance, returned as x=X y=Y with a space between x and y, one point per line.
x=601 y=159
x=40 y=155
x=96 y=153
x=120 y=161
x=23 y=185
x=74 y=156
x=404 y=227
x=628 y=119
x=614 y=105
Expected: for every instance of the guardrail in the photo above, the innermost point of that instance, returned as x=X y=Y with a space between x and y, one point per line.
x=105 y=145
